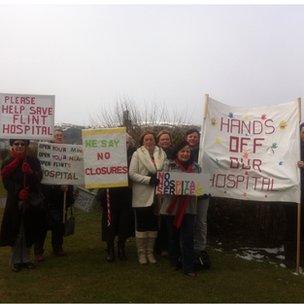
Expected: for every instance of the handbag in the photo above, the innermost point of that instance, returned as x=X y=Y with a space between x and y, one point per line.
x=69 y=224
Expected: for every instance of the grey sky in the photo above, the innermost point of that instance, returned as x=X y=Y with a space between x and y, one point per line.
x=89 y=56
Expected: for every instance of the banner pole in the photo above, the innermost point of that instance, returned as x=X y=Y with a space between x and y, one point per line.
x=202 y=139
x=299 y=211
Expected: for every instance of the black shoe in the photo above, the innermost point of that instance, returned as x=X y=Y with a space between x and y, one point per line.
x=121 y=251
x=17 y=267
x=29 y=265
x=60 y=253
x=202 y=261
x=110 y=257
x=191 y=274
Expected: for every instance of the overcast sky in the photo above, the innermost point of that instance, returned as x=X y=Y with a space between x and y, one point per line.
x=90 y=56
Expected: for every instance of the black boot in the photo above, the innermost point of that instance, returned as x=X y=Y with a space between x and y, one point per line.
x=110 y=252
x=121 y=250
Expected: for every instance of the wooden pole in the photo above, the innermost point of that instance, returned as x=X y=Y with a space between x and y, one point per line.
x=64 y=205
x=299 y=212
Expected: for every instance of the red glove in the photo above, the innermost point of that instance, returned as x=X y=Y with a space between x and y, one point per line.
x=26 y=168
x=9 y=168
x=23 y=194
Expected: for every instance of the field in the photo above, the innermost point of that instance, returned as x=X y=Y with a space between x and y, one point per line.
x=84 y=276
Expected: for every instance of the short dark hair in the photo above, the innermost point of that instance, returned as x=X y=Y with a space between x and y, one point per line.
x=193 y=130
x=141 y=140
x=12 y=140
x=179 y=146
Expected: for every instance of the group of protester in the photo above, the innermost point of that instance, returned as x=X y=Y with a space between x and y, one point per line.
x=170 y=225
x=178 y=223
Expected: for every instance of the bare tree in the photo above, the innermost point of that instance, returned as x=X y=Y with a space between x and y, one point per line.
x=152 y=116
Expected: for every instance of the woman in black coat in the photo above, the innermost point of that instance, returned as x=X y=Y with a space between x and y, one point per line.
x=117 y=214
x=21 y=175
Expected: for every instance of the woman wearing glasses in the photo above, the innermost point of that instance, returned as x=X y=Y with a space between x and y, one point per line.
x=21 y=175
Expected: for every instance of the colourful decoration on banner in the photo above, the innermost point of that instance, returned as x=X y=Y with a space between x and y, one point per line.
x=213 y=121
x=245 y=154
x=283 y=124
x=218 y=140
x=272 y=148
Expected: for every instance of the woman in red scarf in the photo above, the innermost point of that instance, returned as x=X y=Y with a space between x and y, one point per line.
x=180 y=213
x=21 y=175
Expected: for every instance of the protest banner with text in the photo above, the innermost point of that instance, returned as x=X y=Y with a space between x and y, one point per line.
x=61 y=164
x=105 y=158
x=177 y=183
x=251 y=153
x=27 y=116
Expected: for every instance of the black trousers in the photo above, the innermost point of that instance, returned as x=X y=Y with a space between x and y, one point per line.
x=57 y=230
x=145 y=219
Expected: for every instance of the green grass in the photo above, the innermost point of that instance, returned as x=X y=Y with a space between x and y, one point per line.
x=84 y=276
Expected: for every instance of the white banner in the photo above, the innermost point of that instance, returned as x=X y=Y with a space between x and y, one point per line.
x=105 y=158
x=61 y=164
x=27 y=116
x=251 y=153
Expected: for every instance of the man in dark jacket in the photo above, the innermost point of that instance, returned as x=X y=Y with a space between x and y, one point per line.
x=54 y=200
x=200 y=226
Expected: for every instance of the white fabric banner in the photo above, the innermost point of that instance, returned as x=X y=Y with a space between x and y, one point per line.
x=251 y=153
x=105 y=158
x=61 y=164
x=27 y=116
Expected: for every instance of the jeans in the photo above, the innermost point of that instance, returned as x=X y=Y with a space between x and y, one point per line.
x=200 y=225
x=20 y=253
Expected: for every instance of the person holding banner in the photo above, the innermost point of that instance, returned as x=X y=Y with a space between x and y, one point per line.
x=291 y=214
x=180 y=212
x=56 y=208
x=21 y=175
x=117 y=213
x=200 y=226
x=145 y=162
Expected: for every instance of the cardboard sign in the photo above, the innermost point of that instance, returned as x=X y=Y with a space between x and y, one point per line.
x=27 y=116
x=86 y=200
x=251 y=153
x=61 y=164
x=105 y=158
x=177 y=183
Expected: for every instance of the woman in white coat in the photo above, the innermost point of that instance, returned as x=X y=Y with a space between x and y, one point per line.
x=145 y=162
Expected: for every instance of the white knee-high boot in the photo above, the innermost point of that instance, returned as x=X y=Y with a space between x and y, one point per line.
x=141 y=243
x=150 y=246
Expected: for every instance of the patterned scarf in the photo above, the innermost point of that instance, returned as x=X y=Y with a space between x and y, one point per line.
x=182 y=200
